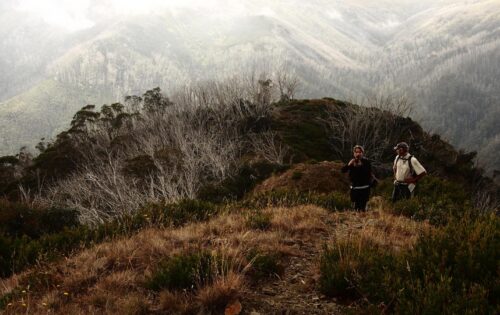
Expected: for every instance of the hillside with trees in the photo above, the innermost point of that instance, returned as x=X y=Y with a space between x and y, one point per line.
x=206 y=201
x=442 y=55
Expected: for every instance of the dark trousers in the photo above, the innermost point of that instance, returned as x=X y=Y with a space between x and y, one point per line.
x=400 y=192
x=360 y=198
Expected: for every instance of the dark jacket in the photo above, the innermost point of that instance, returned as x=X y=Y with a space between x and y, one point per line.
x=359 y=175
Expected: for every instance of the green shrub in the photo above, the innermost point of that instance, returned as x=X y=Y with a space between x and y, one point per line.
x=183 y=272
x=437 y=212
x=21 y=252
x=176 y=214
x=334 y=201
x=18 y=250
x=296 y=175
x=440 y=297
x=264 y=265
x=436 y=188
x=453 y=270
x=408 y=207
x=436 y=200
x=17 y=219
x=6 y=299
x=258 y=220
x=5 y=255
x=300 y=123
x=468 y=250
x=350 y=271
x=235 y=187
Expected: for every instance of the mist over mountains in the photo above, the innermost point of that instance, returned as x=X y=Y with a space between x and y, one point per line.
x=444 y=55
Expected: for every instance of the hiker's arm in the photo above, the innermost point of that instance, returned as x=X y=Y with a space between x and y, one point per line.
x=370 y=171
x=419 y=170
x=348 y=166
x=373 y=178
x=394 y=170
x=413 y=180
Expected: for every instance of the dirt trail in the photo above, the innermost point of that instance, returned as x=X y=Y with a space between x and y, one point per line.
x=296 y=291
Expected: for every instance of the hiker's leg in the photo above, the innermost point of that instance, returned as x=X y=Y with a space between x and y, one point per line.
x=355 y=198
x=396 y=193
x=400 y=192
x=360 y=198
x=364 y=195
x=405 y=192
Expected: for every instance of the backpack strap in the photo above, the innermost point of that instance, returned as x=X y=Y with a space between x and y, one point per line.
x=412 y=171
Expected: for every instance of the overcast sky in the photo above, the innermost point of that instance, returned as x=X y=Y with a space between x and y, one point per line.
x=74 y=15
x=80 y=14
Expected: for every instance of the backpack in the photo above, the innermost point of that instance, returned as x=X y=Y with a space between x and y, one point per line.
x=412 y=171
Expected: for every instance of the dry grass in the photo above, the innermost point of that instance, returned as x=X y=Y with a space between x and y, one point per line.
x=109 y=278
x=300 y=223
x=174 y=303
x=379 y=227
x=323 y=177
x=222 y=292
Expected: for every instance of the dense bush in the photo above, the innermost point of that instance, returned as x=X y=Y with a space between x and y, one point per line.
x=183 y=272
x=347 y=272
x=259 y=220
x=451 y=270
x=436 y=200
x=181 y=212
x=301 y=125
x=235 y=187
x=17 y=219
x=297 y=175
x=264 y=264
x=20 y=252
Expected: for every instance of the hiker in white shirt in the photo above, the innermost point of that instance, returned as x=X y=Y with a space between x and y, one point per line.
x=407 y=172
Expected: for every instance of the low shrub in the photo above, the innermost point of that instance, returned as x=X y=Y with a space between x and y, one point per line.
x=264 y=265
x=351 y=270
x=235 y=187
x=7 y=298
x=451 y=270
x=467 y=251
x=190 y=271
x=18 y=252
x=182 y=272
x=436 y=200
x=21 y=252
x=437 y=212
x=17 y=219
x=297 y=175
x=258 y=220
x=179 y=213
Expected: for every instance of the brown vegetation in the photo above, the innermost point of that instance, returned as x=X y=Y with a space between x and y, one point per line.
x=322 y=177
x=110 y=278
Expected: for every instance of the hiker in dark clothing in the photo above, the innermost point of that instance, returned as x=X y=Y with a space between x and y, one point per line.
x=360 y=173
